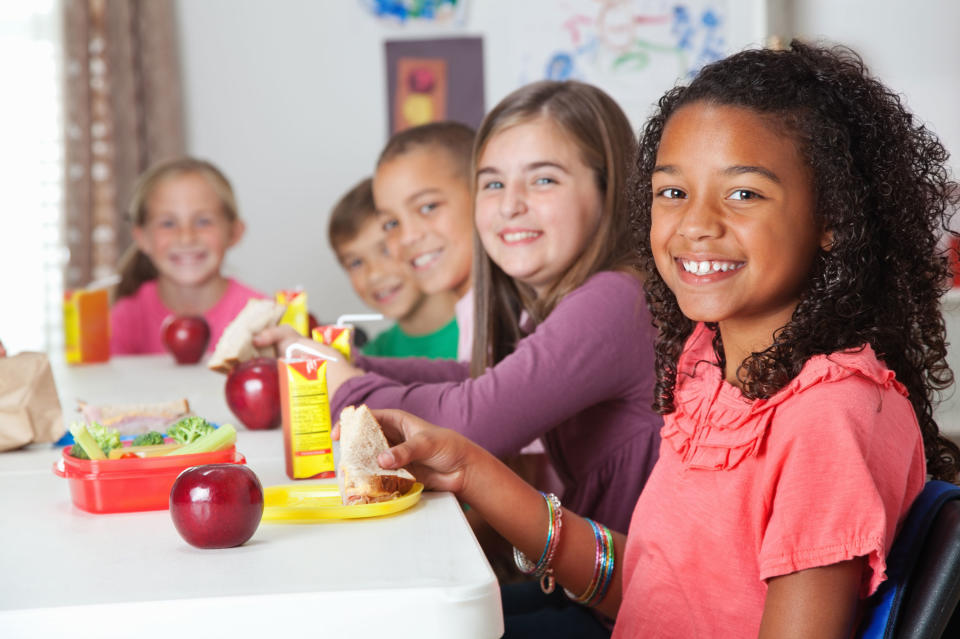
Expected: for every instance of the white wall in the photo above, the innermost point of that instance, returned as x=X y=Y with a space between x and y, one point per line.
x=913 y=47
x=289 y=98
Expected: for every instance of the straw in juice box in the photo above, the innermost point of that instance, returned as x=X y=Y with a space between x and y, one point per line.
x=340 y=335
x=296 y=314
x=305 y=410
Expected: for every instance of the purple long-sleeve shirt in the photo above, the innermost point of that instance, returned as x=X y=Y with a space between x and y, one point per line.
x=583 y=381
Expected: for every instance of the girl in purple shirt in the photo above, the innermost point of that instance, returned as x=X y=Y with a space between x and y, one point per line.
x=185 y=219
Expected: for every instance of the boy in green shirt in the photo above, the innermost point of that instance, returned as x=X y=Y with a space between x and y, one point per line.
x=425 y=324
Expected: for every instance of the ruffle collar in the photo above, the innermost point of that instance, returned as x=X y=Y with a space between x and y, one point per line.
x=714 y=427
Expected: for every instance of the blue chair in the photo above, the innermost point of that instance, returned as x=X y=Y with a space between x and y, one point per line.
x=919 y=598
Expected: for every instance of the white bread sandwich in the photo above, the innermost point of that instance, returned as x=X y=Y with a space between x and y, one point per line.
x=236 y=343
x=134 y=419
x=362 y=480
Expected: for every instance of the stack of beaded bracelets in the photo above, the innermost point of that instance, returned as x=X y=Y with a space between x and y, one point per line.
x=542 y=568
x=603 y=568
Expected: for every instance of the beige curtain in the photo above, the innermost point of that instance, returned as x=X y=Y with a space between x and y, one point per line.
x=123 y=112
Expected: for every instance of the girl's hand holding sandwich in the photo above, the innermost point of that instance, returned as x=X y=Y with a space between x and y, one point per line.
x=443 y=459
x=436 y=456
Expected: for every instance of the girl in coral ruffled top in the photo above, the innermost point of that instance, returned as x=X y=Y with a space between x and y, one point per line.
x=789 y=213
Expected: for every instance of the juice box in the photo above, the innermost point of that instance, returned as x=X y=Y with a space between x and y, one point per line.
x=296 y=314
x=338 y=337
x=86 y=326
x=305 y=409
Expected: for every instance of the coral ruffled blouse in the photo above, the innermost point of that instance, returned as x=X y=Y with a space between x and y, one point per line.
x=746 y=490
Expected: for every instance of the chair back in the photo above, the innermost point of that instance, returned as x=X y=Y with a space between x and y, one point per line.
x=922 y=588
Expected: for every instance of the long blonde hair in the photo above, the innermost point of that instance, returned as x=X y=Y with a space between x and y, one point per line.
x=602 y=132
x=135 y=266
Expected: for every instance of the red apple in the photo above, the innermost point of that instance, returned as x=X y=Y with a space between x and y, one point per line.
x=253 y=393
x=216 y=505
x=186 y=336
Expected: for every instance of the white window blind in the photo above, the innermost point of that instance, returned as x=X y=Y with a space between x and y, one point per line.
x=31 y=168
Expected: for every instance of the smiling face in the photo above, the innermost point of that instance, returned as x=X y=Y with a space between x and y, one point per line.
x=383 y=283
x=425 y=208
x=186 y=232
x=733 y=231
x=538 y=204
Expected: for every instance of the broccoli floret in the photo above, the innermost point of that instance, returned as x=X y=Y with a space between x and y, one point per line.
x=190 y=428
x=106 y=438
x=148 y=439
x=77 y=451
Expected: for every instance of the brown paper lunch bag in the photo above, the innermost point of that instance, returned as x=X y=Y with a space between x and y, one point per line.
x=29 y=405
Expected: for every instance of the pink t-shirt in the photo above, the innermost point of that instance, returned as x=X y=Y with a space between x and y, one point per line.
x=464 y=313
x=821 y=472
x=135 y=320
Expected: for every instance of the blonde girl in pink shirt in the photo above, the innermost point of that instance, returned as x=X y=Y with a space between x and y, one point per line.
x=184 y=217
x=788 y=213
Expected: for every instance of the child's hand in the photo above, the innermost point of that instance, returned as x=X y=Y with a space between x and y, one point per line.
x=339 y=368
x=281 y=337
x=436 y=456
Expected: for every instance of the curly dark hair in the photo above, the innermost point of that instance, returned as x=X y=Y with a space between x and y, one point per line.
x=881 y=187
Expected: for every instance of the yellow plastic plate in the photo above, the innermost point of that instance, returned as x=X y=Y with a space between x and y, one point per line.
x=310 y=502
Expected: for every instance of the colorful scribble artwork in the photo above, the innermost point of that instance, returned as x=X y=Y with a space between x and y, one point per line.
x=628 y=36
x=402 y=12
x=632 y=49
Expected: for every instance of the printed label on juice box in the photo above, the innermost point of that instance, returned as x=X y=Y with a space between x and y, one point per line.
x=339 y=337
x=296 y=314
x=305 y=409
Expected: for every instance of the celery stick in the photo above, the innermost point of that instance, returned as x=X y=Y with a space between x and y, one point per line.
x=86 y=441
x=221 y=438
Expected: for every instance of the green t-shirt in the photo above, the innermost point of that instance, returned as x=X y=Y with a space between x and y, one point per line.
x=393 y=342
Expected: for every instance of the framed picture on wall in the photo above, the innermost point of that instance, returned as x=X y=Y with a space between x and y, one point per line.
x=433 y=80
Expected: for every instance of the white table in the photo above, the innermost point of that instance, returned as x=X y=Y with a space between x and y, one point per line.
x=67 y=573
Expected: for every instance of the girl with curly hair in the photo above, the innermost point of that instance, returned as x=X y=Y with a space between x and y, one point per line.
x=789 y=212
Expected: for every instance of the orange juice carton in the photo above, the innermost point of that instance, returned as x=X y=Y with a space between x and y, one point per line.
x=86 y=325
x=296 y=314
x=305 y=410
x=340 y=335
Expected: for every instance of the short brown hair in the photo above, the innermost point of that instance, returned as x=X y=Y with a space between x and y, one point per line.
x=455 y=138
x=351 y=212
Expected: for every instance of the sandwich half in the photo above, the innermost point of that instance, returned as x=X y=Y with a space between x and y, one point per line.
x=236 y=343
x=362 y=480
x=133 y=419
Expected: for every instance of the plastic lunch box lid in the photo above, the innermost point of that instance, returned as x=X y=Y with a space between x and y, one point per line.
x=74 y=468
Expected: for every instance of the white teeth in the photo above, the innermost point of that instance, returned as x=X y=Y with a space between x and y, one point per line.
x=385 y=293
x=519 y=235
x=425 y=258
x=705 y=267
